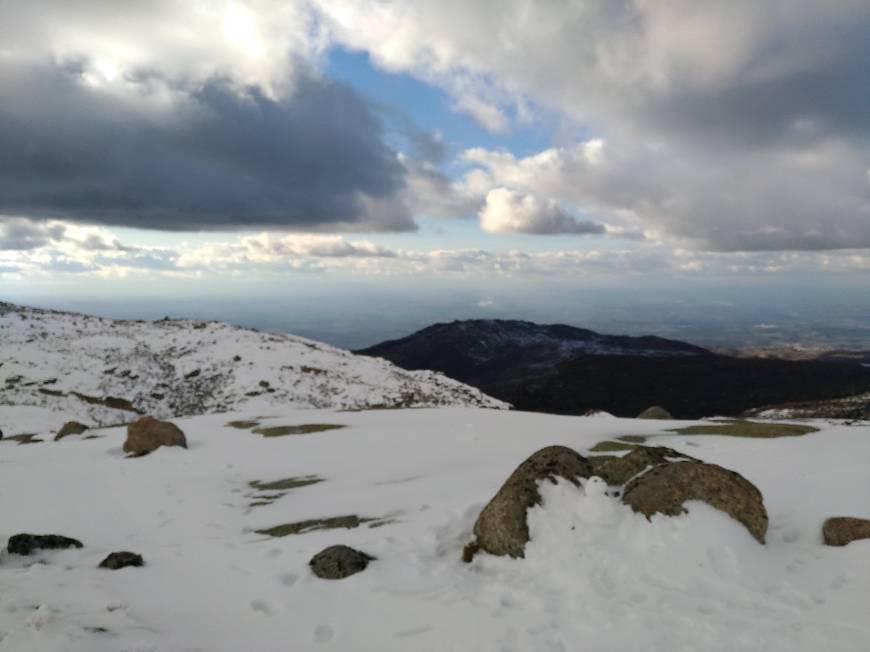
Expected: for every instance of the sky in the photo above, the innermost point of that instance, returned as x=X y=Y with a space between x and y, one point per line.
x=297 y=163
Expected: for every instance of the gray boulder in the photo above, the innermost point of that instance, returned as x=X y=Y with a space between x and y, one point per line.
x=338 y=562
x=70 y=428
x=501 y=528
x=666 y=487
x=24 y=544
x=843 y=530
x=122 y=559
x=655 y=412
x=619 y=470
x=148 y=434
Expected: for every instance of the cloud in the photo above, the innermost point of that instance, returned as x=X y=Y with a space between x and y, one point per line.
x=211 y=159
x=19 y=234
x=507 y=211
x=733 y=126
x=277 y=254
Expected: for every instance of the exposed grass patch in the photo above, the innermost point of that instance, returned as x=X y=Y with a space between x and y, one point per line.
x=743 y=428
x=611 y=447
x=633 y=439
x=312 y=525
x=304 y=429
x=27 y=438
x=286 y=484
x=243 y=425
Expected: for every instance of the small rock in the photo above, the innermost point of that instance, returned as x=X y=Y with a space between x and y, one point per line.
x=501 y=528
x=338 y=562
x=148 y=434
x=122 y=559
x=24 y=544
x=70 y=428
x=666 y=487
x=655 y=412
x=842 y=530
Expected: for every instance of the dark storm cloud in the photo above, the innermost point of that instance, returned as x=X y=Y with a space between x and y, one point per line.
x=159 y=156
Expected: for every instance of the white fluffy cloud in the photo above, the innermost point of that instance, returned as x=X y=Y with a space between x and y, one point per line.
x=251 y=42
x=506 y=211
x=735 y=125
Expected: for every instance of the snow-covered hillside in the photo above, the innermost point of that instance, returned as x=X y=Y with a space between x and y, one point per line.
x=58 y=366
x=596 y=577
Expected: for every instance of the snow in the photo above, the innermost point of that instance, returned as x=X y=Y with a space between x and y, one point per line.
x=184 y=367
x=596 y=576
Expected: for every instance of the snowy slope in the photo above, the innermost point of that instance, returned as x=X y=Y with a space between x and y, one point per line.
x=596 y=577
x=183 y=367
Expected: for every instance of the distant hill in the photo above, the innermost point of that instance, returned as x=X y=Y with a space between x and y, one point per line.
x=568 y=370
x=56 y=366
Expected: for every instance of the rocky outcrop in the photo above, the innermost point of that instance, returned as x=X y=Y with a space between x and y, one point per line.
x=148 y=434
x=843 y=530
x=122 y=559
x=338 y=562
x=24 y=544
x=655 y=412
x=665 y=488
x=70 y=428
x=501 y=528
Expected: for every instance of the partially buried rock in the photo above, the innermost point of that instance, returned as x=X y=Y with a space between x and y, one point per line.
x=501 y=528
x=619 y=470
x=148 y=434
x=665 y=488
x=70 y=428
x=122 y=559
x=24 y=544
x=655 y=412
x=842 y=530
x=338 y=562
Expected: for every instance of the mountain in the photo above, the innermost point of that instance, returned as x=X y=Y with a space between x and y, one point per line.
x=562 y=369
x=58 y=366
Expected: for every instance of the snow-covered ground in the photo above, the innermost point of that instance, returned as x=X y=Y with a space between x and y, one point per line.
x=57 y=366
x=596 y=577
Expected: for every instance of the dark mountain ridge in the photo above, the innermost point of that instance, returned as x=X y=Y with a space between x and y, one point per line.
x=563 y=369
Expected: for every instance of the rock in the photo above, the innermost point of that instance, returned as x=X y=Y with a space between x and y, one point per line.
x=842 y=530
x=24 y=544
x=655 y=412
x=148 y=434
x=338 y=562
x=619 y=470
x=666 y=487
x=70 y=428
x=501 y=528
x=122 y=559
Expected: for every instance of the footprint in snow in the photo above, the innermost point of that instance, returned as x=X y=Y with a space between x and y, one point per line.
x=324 y=633
x=289 y=579
x=414 y=631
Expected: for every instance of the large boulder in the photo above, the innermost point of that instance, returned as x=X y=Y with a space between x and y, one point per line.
x=842 y=530
x=24 y=544
x=655 y=412
x=338 y=562
x=501 y=528
x=666 y=487
x=70 y=428
x=619 y=470
x=148 y=434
